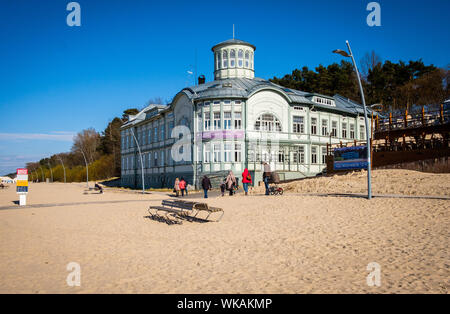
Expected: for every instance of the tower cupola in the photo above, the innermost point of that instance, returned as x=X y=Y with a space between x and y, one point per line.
x=234 y=58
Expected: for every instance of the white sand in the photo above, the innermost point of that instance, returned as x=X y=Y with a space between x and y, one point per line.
x=284 y=244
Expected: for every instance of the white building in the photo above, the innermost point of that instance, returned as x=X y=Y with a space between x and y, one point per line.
x=237 y=121
x=7 y=180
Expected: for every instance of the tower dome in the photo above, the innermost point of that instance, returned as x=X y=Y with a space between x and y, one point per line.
x=234 y=58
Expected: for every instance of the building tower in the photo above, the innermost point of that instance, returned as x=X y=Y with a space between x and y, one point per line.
x=234 y=58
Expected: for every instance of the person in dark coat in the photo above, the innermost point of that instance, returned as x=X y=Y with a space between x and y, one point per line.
x=266 y=176
x=206 y=185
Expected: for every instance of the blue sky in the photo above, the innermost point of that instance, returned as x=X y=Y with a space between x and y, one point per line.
x=56 y=80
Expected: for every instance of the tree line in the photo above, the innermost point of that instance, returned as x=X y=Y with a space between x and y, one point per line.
x=398 y=85
x=101 y=151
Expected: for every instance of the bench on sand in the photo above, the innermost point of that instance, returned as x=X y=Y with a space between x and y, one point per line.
x=174 y=211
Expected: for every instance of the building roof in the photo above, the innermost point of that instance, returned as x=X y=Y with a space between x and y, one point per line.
x=244 y=88
x=233 y=42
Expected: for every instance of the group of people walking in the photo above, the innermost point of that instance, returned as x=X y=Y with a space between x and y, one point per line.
x=230 y=183
x=180 y=186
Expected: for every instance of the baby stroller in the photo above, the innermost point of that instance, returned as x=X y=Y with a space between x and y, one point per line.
x=274 y=189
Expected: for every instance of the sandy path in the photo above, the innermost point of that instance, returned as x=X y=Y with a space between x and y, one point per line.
x=287 y=244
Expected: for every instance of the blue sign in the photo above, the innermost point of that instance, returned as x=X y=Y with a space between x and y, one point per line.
x=350 y=158
x=22 y=189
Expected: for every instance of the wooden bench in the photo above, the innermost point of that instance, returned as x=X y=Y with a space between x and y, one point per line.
x=209 y=209
x=174 y=211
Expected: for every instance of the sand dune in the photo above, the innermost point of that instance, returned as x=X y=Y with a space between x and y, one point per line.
x=403 y=182
x=283 y=244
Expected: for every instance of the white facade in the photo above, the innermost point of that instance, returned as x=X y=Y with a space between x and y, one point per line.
x=234 y=122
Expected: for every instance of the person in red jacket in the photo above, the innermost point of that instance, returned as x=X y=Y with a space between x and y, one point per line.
x=182 y=186
x=246 y=179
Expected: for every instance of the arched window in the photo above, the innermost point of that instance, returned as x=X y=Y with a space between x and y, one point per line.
x=251 y=60
x=240 y=58
x=219 y=60
x=267 y=122
x=232 y=58
x=225 y=59
x=247 y=59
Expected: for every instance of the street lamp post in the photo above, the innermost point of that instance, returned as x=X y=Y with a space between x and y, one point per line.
x=64 y=169
x=366 y=120
x=87 y=169
x=142 y=164
x=51 y=172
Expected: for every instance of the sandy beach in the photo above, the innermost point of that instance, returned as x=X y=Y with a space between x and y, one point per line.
x=278 y=244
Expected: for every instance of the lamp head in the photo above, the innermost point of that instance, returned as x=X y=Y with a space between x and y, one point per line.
x=342 y=53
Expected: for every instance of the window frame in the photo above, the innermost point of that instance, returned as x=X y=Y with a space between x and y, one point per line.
x=298 y=127
x=313 y=155
x=313 y=126
x=264 y=125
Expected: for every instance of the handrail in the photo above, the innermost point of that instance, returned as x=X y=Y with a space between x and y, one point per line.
x=408 y=120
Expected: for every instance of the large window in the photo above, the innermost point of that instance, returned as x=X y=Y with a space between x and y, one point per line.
x=162 y=158
x=146 y=137
x=313 y=126
x=324 y=154
x=207 y=124
x=216 y=152
x=362 y=132
x=216 y=120
x=225 y=59
x=268 y=122
x=163 y=136
x=171 y=126
x=232 y=58
x=155 y=159
x=251 y=60
x=281 y=156
x=314 y=154
x=237 y=120
x=324 y=127
x=227 y=152
x=298 y=124
x=155 y=134
x=237 y=152
x=299 y=155
x=344 y=130
x=207 y=152
x=227 y=120
x=352 y=130
x=334 y=128
x=247 y=59
x=240 y=58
